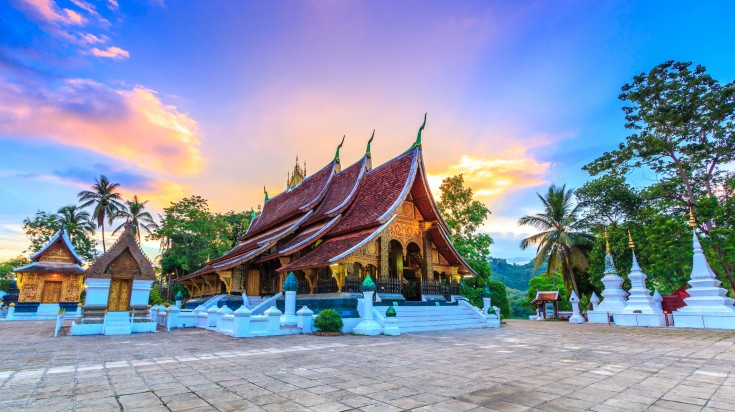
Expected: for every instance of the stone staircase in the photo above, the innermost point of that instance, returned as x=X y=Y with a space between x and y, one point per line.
x=426 y=318
x=255 y=301
x=117 y=323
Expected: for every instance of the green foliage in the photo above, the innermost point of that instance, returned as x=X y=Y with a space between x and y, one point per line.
x=464 y=216
x=43 y=226
x=513 y=275
x=106 y=200
x=155 y=298
x=608 y=200
x=682 y=124
x=191 y=235
x=518 y=301
x=6 y=271
x=328 y=320
x=179 y=288
x=134 y=213
x=563 y=241
x=471 y=289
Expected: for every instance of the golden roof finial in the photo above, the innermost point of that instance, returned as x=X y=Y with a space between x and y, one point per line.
x=630 y=241
x=607 y=242
x=692 y=220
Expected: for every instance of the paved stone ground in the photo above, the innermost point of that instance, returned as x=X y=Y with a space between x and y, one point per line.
x=525 y=365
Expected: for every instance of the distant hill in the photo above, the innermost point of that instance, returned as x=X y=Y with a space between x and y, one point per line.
x=513 y=275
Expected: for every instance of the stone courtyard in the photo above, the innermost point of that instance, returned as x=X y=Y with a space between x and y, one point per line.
x=542 y=366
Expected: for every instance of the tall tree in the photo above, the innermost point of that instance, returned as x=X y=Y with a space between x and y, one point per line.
x=134 y=213
x=464 y=215
x=103 y=195
x=562 y=240
x=191 y=234
x=683 y=129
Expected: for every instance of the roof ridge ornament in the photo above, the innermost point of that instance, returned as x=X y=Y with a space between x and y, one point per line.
x=338 y=164
x=266 y=194
x=368 y=154
x=417 y=143
x=692 y=220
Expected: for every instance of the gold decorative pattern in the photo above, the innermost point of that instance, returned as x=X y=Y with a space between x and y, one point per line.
x=119 y=298
x=126 y=242
x=57 y=253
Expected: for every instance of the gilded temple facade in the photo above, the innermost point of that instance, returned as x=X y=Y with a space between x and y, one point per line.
x=52 y=281
x=336 y=226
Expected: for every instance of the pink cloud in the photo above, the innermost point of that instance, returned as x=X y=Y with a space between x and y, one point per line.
x=48 y=11
x=112 y=52
x=121 y=123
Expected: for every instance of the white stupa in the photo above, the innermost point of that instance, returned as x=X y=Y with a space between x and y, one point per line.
x=613 y=295
x=641 y=309
x=707 y=307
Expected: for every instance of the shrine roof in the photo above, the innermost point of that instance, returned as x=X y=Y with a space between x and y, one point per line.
x=63 y=237
x=444 y=246
x=126 y=241
x=335 y=248
x=381 y=192
x=546 y=296
x=299 y=199
x=51 y=267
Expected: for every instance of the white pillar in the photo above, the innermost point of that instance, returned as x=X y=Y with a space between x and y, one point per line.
x=212 y=316
x=11 y=311
x=576 y=316
x=289 y=318
x=368 y=325
x=613 y=295
x=485 y=305
x=274 y=319
x=595 y=300
x=305 y=319
x=290 y=286
x=224 y=310
x=242 y=322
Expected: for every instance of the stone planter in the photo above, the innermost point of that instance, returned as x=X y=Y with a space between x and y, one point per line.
x=328 y=333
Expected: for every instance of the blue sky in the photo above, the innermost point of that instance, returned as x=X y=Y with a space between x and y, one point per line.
x=217 y=98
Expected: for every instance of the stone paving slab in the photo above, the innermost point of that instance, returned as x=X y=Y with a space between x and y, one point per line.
x=524 y=366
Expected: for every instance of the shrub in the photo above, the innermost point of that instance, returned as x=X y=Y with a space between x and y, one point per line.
x=328 y=321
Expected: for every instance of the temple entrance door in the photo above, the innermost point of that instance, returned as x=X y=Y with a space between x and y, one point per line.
x=119 y=299
x=51 y=292
x=411 y=285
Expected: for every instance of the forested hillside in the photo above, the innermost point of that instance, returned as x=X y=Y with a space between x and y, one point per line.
x=513 y=275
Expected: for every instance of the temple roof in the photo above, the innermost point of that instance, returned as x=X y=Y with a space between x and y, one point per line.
x=126 y=242
x=51 y=267
x=335 y=212
x=546 y=296
x=62 y=238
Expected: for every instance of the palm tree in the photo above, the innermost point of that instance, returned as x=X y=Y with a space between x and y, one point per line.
x=75 y=221
x=562 y=238
x=133 y=213
x=106 y=200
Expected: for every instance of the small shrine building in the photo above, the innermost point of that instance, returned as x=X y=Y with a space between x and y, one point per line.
x=334 y=227
x=118 y=287
x=51 y=282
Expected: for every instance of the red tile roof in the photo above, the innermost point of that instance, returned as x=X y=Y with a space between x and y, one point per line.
x=328 y=250
x=382 y=190
x=300 y=199
x=548 y=296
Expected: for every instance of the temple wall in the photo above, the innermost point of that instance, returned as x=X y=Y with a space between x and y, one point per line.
x=31 y=287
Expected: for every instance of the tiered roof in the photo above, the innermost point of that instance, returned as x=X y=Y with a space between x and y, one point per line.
x=57 y=256
x=343 y=209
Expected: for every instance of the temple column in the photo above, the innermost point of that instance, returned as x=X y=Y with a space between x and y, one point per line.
x=311 y=276
x=384 y=267
x=427 y=266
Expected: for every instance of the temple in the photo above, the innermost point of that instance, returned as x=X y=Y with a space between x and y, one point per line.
x=51 y=282
x=334 y=227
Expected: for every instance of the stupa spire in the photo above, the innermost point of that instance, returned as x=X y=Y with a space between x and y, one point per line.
x=613 y=295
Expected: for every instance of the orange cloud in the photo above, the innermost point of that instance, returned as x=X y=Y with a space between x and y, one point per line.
x=132 y=125
x=112 y=52
x=490 y=178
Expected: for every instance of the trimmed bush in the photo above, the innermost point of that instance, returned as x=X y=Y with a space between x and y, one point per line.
x=328 y=320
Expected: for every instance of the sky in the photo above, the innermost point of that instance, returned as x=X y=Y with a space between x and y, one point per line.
x=217 y=99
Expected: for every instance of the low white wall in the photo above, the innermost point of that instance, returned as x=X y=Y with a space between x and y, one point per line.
x=98 y=291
